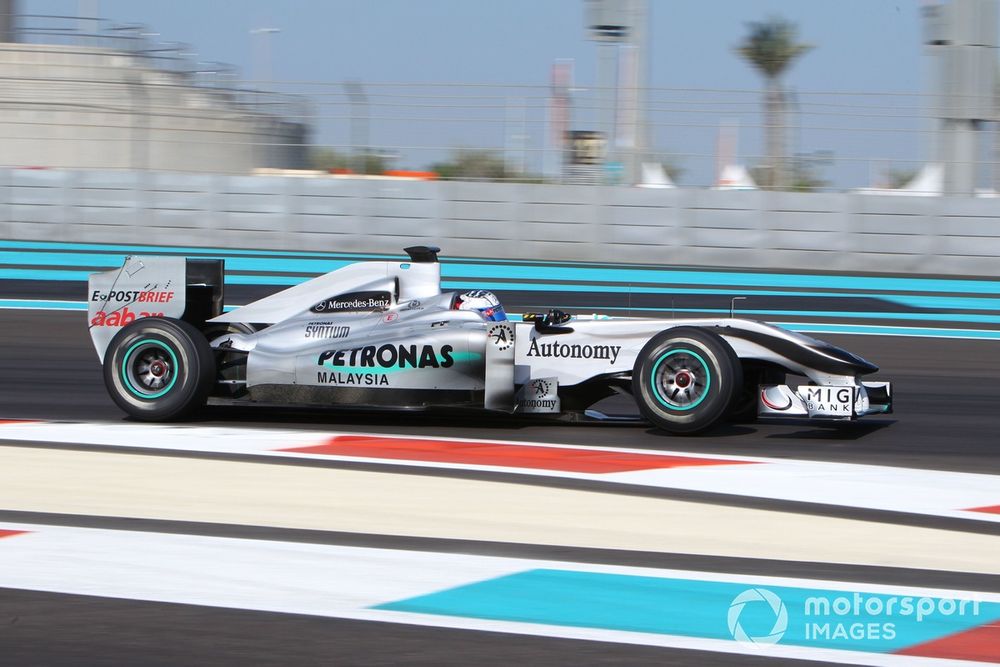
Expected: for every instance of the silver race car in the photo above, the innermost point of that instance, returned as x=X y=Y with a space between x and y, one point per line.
x=383 y=334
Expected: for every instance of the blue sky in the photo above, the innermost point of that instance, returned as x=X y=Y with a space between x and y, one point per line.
x=860 y=46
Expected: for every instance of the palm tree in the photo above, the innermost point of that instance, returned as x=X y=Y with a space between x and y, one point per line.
x=770 y=47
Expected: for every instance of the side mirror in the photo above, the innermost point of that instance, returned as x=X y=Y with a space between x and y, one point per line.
x=550 y=323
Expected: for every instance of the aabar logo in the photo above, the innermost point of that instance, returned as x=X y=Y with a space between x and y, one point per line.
x=559 y=350
x=119 y=318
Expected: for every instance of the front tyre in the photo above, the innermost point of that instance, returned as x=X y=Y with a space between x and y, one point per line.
x=685 y=379
x=159 y=369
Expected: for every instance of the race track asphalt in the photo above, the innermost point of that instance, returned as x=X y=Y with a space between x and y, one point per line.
x=57 y=630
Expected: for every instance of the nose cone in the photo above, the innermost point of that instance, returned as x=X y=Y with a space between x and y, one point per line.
x=856 y=364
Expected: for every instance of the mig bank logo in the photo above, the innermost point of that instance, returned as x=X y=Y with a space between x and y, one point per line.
x=756 y=609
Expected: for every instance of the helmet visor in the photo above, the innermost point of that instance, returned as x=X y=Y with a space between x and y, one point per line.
x=493 y=313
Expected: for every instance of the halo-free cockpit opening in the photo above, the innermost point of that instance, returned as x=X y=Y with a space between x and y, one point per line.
x=481 y=301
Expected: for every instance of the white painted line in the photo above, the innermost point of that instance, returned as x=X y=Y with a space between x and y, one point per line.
x=344 y=582
x=938 y=493
x=935 y=493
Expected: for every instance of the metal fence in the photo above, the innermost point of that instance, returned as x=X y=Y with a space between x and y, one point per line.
x=139 y=43
x=837 y=140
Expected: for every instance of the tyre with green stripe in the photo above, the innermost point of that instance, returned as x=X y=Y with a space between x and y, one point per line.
x=685 y=379
x=159 y=369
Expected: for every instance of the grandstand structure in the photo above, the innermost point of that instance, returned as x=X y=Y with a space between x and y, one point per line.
x=85 y=93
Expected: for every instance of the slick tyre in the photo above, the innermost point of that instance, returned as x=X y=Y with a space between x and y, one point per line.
x=159 y=369
x=685 y=379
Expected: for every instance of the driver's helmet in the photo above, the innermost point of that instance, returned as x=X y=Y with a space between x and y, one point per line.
x=485 y=303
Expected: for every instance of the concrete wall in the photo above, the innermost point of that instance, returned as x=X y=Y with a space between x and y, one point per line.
x=87 y=108
x=753 y=229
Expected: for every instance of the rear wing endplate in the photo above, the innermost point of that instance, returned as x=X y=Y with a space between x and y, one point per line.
x=188 y=289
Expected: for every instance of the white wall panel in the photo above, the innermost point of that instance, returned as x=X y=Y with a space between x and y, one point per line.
x=757 y=229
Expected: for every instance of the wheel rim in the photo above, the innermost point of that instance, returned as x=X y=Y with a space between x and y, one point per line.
x=149 y=368
x=681 y=379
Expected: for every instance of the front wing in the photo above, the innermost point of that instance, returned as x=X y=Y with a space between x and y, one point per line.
x=825 y=402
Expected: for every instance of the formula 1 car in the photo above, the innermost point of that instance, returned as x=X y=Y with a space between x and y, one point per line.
x=383 y=334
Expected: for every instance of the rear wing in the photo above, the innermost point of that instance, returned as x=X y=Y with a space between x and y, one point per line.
x=187 y=289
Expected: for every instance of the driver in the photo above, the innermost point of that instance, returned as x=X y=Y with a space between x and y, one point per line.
x=485 y=303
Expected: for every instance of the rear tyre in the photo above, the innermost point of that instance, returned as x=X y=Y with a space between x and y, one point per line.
x=159 y=369
x=685 y=379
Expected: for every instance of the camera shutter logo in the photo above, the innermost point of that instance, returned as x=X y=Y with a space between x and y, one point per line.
x=758 y=595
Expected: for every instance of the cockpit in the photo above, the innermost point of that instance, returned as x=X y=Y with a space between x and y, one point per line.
x=481 y=301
